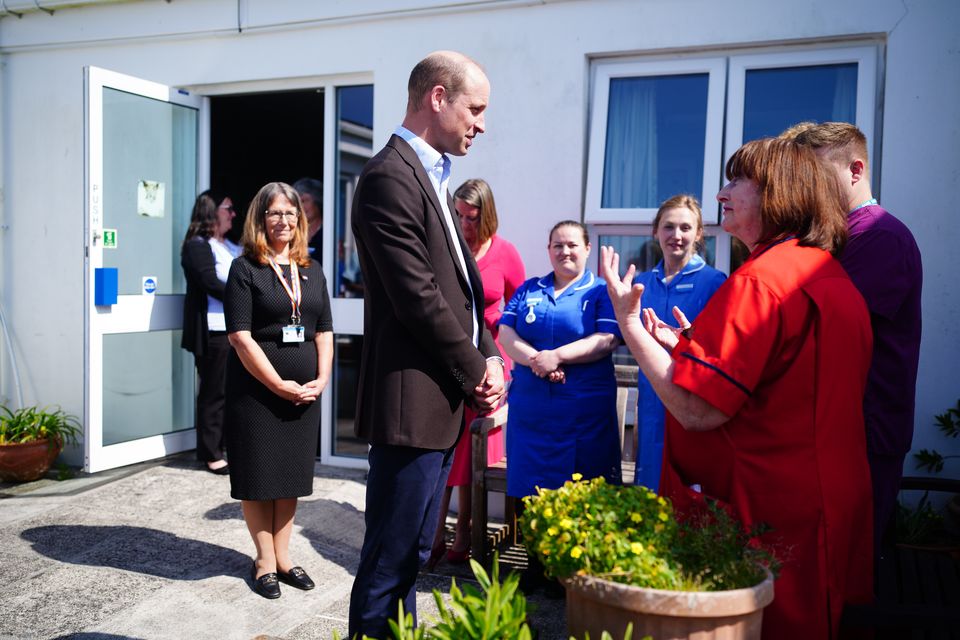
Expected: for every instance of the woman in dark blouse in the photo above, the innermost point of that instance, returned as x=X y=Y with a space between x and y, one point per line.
x=206 y=255
x=279 y=324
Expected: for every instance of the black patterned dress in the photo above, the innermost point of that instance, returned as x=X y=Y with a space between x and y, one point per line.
x=272 y=443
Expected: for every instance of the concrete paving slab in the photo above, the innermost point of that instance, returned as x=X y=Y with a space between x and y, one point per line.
x=160 y=550
x=70 y=599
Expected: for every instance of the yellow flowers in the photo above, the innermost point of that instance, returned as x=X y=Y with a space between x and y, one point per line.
x=603 y=529
x=627 y=534
x=577 y=477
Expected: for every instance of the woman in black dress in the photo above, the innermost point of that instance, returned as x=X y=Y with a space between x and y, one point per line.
x=279 y=324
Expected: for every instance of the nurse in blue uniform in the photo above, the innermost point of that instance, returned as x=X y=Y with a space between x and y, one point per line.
x=560 y=331
x=682 y=282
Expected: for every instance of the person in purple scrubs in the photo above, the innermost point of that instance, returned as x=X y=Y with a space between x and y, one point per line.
x=883 y=260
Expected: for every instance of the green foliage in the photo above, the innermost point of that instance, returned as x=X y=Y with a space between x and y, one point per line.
x=717 y=554
x=32 y=423
x=920 y=525
x=402 y=627
x=628 y=534
x=495 y=611
x=949 y=425
x=64 y=472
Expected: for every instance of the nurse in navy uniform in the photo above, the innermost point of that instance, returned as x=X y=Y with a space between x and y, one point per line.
x=560 y=331
x=678 y=288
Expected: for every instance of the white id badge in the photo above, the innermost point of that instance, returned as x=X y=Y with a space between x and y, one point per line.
x=293 y=333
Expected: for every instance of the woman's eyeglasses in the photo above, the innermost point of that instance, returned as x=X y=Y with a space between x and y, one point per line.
x=289 y=215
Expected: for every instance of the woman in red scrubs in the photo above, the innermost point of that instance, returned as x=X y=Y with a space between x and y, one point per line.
x=764 y=390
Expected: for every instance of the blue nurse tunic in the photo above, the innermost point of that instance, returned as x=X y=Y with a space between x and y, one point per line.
x=555 y=430
x=690 y=290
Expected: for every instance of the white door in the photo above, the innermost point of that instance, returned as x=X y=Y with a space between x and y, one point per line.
x=141 y=180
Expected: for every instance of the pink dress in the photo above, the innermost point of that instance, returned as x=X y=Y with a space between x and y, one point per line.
x=502 y=272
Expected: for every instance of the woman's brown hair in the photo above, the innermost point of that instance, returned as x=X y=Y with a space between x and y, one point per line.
x=797 y=195
x=477 y=193
x=203 y=218
x=255 y=244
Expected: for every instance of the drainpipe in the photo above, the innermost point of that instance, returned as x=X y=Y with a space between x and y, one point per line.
x=4 y=227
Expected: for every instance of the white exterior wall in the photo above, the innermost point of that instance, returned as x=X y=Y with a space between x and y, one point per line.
x=537 y=55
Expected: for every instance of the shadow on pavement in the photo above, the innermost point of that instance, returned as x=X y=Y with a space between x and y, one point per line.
x=148 y=551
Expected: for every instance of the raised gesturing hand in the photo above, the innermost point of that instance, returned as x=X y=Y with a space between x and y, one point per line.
x=662 y=332
x=624 y=295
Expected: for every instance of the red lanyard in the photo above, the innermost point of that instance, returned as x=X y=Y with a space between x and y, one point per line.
x=295 y=294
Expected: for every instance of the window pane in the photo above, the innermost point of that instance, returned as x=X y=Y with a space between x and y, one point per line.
x=147 y=386
x=776 y=99
x=149 y=184
x=354 y=148
x=656 y=128
x=346 y=374
x=644 y=253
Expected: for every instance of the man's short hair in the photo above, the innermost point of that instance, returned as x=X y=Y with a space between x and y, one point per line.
x=841 y=141
x=310 y=186
x=448 y=69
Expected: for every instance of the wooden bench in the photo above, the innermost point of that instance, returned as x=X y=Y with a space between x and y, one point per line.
x=493 y=478
x=918 y=590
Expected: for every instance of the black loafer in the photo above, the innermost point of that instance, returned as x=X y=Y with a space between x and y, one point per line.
x=266 y=585
x=220 y=471
x=297 y=577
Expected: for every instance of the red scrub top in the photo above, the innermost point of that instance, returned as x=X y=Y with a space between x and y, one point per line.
x=784 y=347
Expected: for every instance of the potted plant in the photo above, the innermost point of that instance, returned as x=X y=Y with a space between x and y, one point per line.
x=625 y=558
x=948 y=423
x=31 y=439
x=923 y=525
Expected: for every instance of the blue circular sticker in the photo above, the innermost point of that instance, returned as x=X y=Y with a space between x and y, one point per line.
x=149 y=285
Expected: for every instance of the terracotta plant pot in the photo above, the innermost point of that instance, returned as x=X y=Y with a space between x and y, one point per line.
x=23 y=462
x=595 y=606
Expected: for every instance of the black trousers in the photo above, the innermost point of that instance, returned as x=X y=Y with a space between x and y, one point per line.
x=212 y=370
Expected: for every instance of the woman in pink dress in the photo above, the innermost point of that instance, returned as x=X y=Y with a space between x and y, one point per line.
x=502 y=272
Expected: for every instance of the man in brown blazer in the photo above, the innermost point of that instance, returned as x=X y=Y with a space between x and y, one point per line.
x=425 y=350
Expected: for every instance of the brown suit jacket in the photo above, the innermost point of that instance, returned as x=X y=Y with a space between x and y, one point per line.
x=418 y=361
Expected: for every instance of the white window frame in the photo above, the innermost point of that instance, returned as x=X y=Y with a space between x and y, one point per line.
x=864 y=57
x=645 y=230
x=604 y=71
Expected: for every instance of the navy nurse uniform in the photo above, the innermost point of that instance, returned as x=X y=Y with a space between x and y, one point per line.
x=557 y=429
x=690 y=290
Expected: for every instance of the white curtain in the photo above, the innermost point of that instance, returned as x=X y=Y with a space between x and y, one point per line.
x=630 y=161
x=845 y=94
